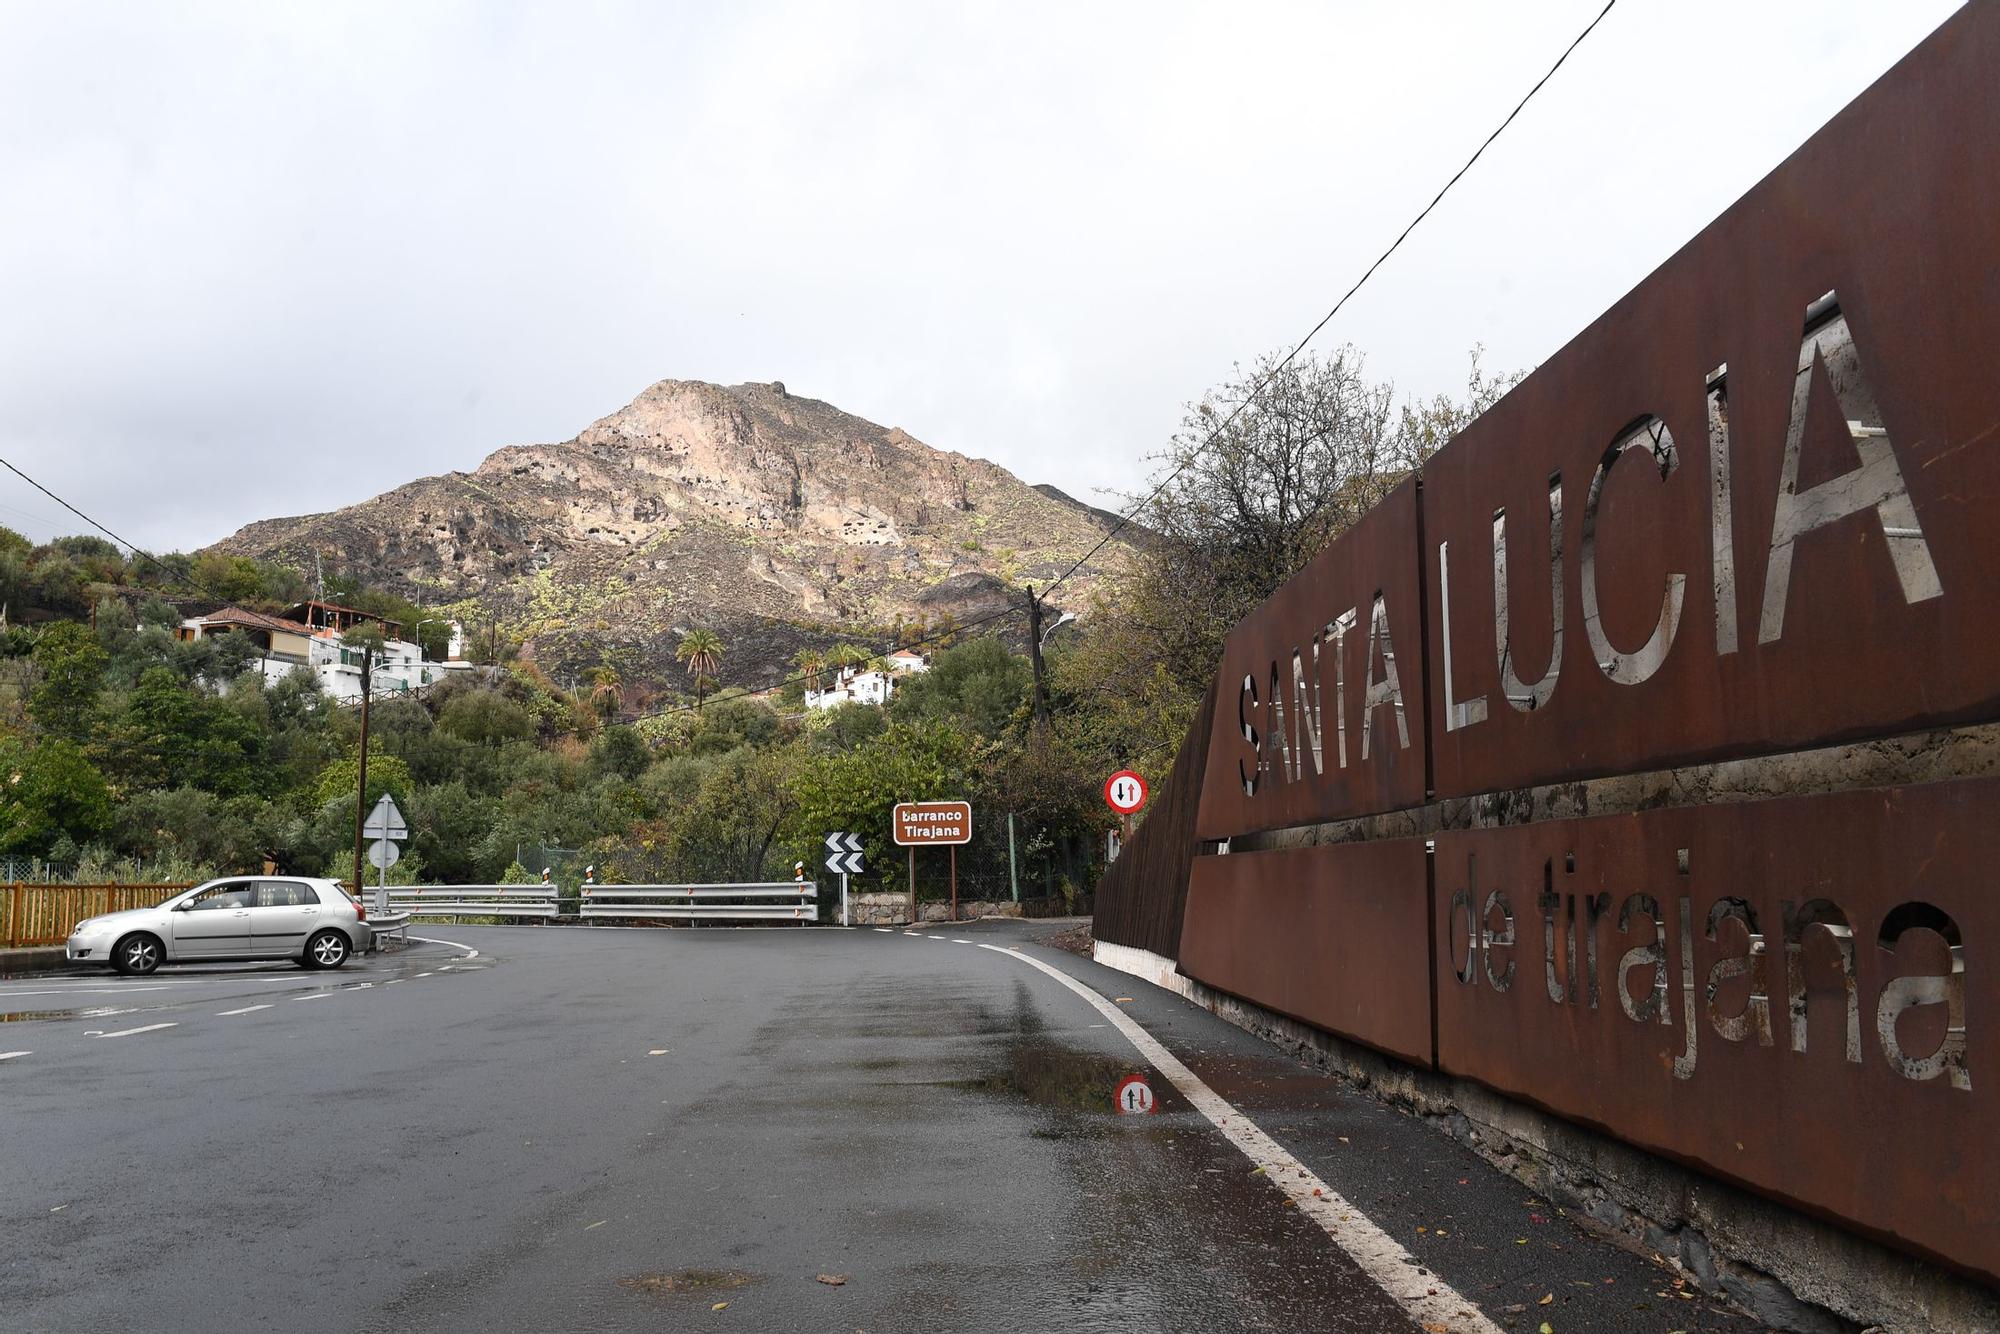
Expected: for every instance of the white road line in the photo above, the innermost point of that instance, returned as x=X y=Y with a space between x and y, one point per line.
x=80 y=991
x=248 y=1009
x=128 y=1032
x=956 y=941
x=1430 y=1301
x=885 y=930
x=317 y=995
x=10 y=1055
x=423 y=974
x=470 y=953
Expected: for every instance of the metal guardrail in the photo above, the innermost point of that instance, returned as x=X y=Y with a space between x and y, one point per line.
x=777 y=901
x=472 y=900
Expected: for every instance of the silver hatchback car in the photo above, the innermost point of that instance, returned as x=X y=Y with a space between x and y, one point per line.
x=244 y=917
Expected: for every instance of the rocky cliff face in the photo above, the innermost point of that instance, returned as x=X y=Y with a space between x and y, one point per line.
x=774 y=520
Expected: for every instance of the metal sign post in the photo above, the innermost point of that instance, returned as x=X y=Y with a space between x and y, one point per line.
x=843 y=856
x=946 y=822
x=386 y=827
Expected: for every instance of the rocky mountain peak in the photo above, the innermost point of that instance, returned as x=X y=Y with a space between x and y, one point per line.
x=743 y=507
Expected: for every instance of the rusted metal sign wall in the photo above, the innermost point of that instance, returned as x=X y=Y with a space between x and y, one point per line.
x=1320 y=704
x=1335 y=936
x=1779 y=992
x=1754 y=508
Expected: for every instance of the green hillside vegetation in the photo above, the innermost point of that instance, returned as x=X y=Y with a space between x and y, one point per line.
x=126 y=753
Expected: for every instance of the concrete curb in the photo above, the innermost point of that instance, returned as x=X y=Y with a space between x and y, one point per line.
x=34 y=959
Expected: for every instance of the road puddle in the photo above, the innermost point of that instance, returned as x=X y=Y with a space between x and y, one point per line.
x=1052 y=1076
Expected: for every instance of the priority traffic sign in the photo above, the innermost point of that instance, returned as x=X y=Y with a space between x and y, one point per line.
x=843 y=854
x=1125 y=792
x=1135 y=1096
x=385 y=821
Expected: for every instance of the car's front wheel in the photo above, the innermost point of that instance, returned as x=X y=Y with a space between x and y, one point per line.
x=328 y=949
x=136 y=955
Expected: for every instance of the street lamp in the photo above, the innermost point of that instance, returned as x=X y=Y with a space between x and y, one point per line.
x=428 y=620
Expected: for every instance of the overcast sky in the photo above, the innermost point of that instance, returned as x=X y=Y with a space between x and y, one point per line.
x=269 y=259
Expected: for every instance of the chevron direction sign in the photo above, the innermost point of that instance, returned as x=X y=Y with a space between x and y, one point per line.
x=843 y=854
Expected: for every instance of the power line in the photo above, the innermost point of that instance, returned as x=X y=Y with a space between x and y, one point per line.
x=1326 y=319
x=177 y=576
x=1125 y=519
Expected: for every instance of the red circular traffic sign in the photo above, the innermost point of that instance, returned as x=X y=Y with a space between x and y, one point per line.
x=1125 y=792
x=1135 y=1096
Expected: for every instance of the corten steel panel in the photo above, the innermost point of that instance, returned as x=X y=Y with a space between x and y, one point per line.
x=1368 y=757
x=1889 y=619
x=1336 y=936
x=1142 y=898
x=1700 y=1059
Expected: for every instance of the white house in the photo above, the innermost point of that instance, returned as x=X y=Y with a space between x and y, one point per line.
x=290 y=644
x=853 y=686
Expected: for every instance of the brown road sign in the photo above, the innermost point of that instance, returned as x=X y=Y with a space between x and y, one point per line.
x=920 y=824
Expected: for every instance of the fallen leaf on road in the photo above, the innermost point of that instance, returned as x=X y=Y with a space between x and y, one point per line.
x=1432 y=1327
x=720 y=1306
x=1547 y=1328
x=1536 y=1218
x=833 y=1280
x=1520 y=1241
x=1123 y=1000
x=599 y=1223
x=1256 y=1171
x=1545 y=1299
x=59 y=1208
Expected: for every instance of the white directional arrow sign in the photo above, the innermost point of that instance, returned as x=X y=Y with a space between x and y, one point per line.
x=843 y=854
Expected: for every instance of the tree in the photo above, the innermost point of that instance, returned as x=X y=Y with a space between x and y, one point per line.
x=857 y=789
x=607 y=696
x=701 y=650
x=72 y=664
x=621 y=751
x=170 y=734
x=1253 y=485
x=485 y=718
x=981 y=684
x=51 y=791
x=811 y=663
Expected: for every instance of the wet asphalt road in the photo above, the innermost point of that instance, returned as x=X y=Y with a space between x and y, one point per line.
x=622 y=1130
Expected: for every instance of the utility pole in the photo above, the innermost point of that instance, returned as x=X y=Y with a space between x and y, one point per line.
x=361 y=786
x=1035 y=656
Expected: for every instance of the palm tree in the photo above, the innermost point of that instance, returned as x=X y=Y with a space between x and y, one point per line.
x=701 y=650
x=812 y=666
x=607 y=694
x=848 y=657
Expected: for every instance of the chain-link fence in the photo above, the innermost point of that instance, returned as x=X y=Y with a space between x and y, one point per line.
x=34 y=871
